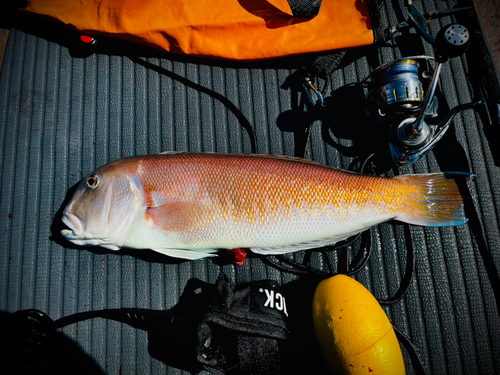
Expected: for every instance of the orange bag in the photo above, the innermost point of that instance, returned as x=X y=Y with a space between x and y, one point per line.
x=225 y=29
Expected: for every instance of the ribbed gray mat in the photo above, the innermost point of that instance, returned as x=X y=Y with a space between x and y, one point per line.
x=62 y=117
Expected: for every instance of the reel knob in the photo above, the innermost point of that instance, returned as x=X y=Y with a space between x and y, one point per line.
x=452 y=41
x=412 y=137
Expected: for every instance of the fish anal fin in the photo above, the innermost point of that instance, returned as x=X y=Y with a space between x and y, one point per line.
x=311 y=244
x=187 y=254
x=174 y=217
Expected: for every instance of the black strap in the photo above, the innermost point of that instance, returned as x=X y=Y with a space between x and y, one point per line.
x=324 y=65
x=305 y=8
x=13 y=4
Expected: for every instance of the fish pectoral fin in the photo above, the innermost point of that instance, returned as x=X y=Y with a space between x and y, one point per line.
x=174 y=217
x=187 y=254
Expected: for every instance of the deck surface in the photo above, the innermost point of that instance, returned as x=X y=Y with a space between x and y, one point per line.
x=62 y=116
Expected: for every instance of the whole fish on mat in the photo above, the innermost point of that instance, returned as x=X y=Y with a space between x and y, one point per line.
x=192 y=205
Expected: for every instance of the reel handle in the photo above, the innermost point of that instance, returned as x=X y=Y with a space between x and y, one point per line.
x=413 y=133
x=452 y=41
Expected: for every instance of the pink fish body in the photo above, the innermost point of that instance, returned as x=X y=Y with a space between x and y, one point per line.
x=193 y=205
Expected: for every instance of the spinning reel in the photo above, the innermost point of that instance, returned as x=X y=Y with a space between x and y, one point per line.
x=402 y=93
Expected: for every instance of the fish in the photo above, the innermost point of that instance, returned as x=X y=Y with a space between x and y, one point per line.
x=195 y=205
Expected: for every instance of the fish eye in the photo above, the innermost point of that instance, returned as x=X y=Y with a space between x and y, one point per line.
x=93 y=182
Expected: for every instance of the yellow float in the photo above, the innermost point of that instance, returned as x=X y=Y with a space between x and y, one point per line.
x=353 y=331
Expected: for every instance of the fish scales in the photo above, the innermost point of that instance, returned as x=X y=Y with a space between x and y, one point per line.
x=259 y=193
x=203 y=202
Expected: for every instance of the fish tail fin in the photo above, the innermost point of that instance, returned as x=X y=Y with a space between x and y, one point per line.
x=438 y=201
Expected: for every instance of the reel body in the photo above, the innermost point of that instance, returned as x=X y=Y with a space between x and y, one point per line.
x=395 y=96
x=402 y=94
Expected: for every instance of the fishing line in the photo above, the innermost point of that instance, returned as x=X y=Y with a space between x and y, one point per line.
x=311 y=117
x=327 y=261
x=34 y=345
x=363 y=166
x=418 y=366
x=302 y=268
x=367 y=257
x=214 y=94
x=295 y=267
x=409 y=273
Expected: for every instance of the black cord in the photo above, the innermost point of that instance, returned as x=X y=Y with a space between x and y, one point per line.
x=138 y=318
x=367 y=257
x=311 y=116
x=365 y=163
x=327 y=261
x=294 y=268
x=297 y=268
x=229 y=104
x=418 y=366
x=345 y=243
x=409 y=273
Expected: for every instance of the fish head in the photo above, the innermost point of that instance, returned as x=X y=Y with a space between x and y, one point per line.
x=103 y=207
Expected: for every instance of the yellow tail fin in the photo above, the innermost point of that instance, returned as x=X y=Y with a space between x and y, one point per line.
x=438 y=201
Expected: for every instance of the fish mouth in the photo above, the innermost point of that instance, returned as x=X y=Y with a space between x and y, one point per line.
x=76 y=232
x=74 y=223
x=79 y=236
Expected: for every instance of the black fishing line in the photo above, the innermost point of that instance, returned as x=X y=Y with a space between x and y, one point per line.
x=214 y=94
x=418 y=366
x=366 y=258
x=285 y=264
x=294 y=267
x=327 y=261
x=409 y=273
x=312 y=115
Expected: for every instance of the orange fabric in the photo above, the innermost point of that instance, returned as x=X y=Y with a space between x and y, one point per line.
x=226 y=29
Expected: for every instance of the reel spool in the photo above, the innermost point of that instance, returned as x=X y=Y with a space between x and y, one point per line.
x=400 y=85
x=396 y=88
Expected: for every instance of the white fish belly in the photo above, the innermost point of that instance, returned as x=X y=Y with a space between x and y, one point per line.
x=271 y=232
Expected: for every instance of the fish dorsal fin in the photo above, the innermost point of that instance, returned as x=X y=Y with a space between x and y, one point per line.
x=267 y=156
x=172 y=152
x=281 y=157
